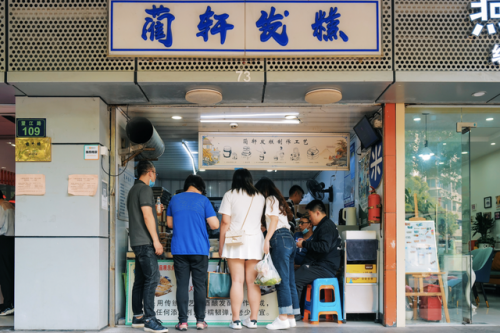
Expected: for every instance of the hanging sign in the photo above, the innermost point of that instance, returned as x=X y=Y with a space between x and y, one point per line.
x=218 y=311
x=276 y=151
x=245 y=28
x=31 y=127
x=376 y=165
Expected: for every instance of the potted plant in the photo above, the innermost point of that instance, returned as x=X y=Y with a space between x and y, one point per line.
x=481 y=226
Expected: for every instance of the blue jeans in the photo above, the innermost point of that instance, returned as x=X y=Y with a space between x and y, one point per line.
x=147 y=278
x=283 y=256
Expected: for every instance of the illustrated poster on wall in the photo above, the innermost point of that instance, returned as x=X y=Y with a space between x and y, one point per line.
x=350 y=179
x=218 y=311
x=278 y=151
x=364 y=187
x=420 y=247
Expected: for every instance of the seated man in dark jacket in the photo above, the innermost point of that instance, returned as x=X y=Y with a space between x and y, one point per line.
x=323 y=249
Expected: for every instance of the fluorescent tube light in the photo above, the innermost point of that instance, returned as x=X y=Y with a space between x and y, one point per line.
x=190 y=155
x=250 y=115
x=291 y=122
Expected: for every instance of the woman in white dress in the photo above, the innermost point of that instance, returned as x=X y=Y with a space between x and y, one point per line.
x=242 y=209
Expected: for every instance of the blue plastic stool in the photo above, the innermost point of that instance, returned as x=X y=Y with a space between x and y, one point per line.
x=314 y=307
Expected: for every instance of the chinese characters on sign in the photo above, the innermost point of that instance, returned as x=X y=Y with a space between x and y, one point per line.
x=277 y=151
x=245 y=28
x=29 y=127
x=155 y=26
x=488 y=10
x=218 y=311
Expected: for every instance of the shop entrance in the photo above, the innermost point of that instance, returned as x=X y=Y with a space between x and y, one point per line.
x=479 y=146
x=451 y=173
x=341 y=188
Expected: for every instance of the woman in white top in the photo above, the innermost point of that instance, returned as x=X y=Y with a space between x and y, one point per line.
x=281 y=244
x=242 y=209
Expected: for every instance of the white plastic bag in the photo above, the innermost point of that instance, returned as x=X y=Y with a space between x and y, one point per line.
x=267 y=273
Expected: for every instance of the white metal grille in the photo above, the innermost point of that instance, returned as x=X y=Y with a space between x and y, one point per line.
x=60 y=35
x=435 y=36
x=343 y=64
x=199 y=65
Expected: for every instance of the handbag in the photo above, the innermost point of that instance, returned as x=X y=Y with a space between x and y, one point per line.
x=236 y=237
x=219 y=284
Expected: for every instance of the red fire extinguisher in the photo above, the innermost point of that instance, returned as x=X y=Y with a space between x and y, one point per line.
x=374 y=207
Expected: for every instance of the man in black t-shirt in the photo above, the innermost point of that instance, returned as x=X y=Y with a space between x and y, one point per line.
x=144 y=240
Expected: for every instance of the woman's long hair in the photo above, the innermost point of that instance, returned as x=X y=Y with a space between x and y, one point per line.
x=268 y=189
x=243 y=181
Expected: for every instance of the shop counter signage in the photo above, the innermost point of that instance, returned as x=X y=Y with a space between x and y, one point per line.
x=273 y=151
x=218 y=311
x=245 y=28
x=487 y=13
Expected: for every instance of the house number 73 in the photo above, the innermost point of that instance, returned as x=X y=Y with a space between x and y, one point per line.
x=246 y=76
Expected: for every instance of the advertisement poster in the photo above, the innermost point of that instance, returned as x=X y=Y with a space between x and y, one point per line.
x=420 y=247
x=278 y=151
x=350 y=179
x=364 y=187
x=218 y=311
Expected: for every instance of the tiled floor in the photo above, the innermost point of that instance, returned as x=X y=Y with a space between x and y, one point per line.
x=7 y=321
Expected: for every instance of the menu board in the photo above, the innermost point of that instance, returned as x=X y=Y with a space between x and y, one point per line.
x=420 y=247
x=276 y=151
x=218 y=311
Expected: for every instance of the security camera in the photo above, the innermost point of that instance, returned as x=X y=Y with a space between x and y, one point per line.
x=233 y=125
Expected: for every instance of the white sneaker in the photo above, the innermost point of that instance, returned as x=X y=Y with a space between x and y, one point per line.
x=235 y=325
x=292 y=322
x=249 y=323
x=278 y=324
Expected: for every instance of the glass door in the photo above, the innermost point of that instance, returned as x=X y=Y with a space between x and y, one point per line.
x=466 y=227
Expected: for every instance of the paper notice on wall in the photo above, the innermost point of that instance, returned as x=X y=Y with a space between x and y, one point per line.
x=83 y=185
x=30 y=184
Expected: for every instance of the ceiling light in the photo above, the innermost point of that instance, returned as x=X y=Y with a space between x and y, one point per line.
x=176 y=117
x=250 y=121
x=489 y=119
x=323 y=96
x=479 y=93
x=426 y=154
x=203 y=96
x=3 y=167
x=190 y=155
x=444 y=144
x=493 y=143
x=13 y=145
x=9 y=143
x=194 y=152
x=270 y=170
x=202 y=170
x=416 y=119
x=441 y=162
x=464 y=153
x=251 y=115
x=290 y=117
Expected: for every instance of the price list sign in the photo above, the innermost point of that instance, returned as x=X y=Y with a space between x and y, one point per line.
x=31 y=127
